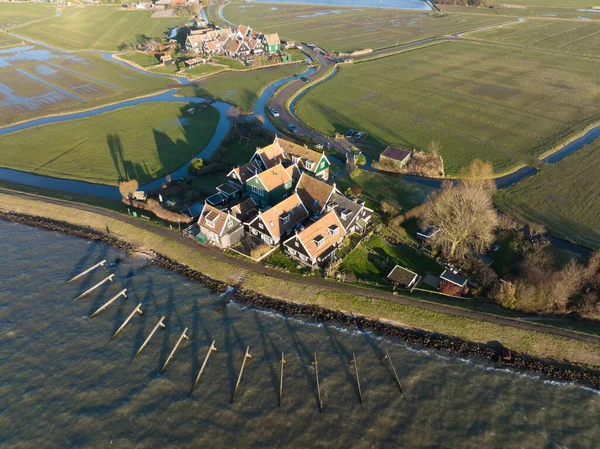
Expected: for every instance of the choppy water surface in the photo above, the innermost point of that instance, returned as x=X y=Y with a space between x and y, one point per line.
x=63 y=383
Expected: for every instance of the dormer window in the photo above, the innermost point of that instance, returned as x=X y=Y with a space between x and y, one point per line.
x=331 y=206
x=319 y=241
x=296 y=159
x=309 y=164
x=334 y=230
x=211 y=219
x=344 y=213
x=285 y=217
x=316 y=203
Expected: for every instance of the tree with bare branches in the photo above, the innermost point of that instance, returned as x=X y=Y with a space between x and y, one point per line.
x=128 y=188
x=465 y=216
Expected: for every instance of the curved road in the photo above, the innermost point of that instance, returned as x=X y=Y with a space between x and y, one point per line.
x=283 y=276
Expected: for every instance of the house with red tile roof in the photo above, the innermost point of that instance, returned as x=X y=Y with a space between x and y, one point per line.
x=279 y=221
x=220 y=228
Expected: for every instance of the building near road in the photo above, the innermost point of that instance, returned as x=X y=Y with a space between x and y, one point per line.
x=453 y=284
x=403 y=277
x=279 y=221
x=220 y=228
x=271 y=186
x=395 y=157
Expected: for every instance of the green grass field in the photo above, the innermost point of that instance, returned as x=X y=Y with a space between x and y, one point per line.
x=244 y=87
x=12 y=14
x=98 y=27
x=499 y=104
x=140 y=58
x=71 y=82
x=347 y=29
x=373 y=259
x=580 y=37
x=203 y=70
x=564 y=196
x=142 y=142
x=564 y=12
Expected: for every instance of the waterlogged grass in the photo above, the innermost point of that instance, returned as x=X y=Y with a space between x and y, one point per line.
x=99 y=27
x=348 y=29
x=499 y=104
x=141 y=142
x=578 y=37
x=561 y=11
x=73 y=82
x=563 y=196
x=242 y=88
x=535 y=343
x=12 y=14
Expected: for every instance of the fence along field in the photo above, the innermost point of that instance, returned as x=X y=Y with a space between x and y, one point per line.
x=499 y=104
x=348 y=29
x=563 y=196
x=35 y=82
x=579 y=37
x=98 y=27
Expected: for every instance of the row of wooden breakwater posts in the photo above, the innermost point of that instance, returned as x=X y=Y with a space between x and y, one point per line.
x=213 y=348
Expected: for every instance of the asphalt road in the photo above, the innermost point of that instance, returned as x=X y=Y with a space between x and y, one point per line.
x=312 y=281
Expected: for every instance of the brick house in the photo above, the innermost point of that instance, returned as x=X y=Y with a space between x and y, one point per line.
x=395 y=157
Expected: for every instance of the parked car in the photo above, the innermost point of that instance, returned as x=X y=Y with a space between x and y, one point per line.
x=293 y=128
x=349 y=134
x=275 y=113
x=359 y=135
x=305 y=79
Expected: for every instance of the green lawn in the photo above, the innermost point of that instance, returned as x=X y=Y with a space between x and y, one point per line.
x=202 y=70
x=12 y=14
x=242 y=88
x=499 y=104
x=72 y=82
x=580 y=37
x=142 y=142
x=99 y=27
x=373 y=259
x=229 y=62
x=140 y=58
x=378 y=187
x=168 y=69
x=564 y=196
x=347 y=29
x=8 y=41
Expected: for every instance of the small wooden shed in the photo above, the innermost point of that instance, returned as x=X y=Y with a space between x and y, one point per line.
x=403 y=277
x=453 y=284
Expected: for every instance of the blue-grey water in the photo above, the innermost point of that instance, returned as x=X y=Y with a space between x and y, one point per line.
x=65 y=384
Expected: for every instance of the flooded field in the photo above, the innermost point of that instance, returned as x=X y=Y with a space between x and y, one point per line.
x=65 y=383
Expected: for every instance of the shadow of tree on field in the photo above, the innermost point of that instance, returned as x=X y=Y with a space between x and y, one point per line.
x=125 y=169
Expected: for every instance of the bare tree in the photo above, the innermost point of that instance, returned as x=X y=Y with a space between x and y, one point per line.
x=434 y=148
x=465 y=216
x=128 y=188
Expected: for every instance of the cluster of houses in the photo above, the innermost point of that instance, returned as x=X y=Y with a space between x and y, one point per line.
x=281 y=198
x=239 y=43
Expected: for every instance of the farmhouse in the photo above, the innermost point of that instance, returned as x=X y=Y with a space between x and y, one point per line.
x=452 y=283
x=245 y=211
x=220 y=228
x=272 y=42
x=395 y=157
x=279 y=221
x=269 y=156
x=354 y=215
x=271 y=186
x=317 y=243
x=402 y=277
x=314 y=193
x=307 y=159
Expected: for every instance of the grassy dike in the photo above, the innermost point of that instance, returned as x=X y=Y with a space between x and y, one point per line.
x=534 y=343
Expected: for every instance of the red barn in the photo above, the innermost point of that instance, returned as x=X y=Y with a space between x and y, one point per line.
x=453 y=284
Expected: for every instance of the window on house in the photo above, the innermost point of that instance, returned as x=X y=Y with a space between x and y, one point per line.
x=319 y=241
x=285 y=217
x=297 y=244
x=230 y=224
x=296 y=159
x=309 y=164
x=260 y=225
x=257 y=190
x=334 y=230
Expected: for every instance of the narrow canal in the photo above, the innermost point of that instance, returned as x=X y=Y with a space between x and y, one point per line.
x=64 y=383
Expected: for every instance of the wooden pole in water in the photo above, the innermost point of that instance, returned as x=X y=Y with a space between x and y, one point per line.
x=138 y=309
x=283 y=362
x=389 y=359
x=181 y=337
x=109 y=302
x=159 y=324
x=353 y=361
x=83 y=273
x=89 y=290
x=239 y=379
x=315 y=364
x=209 y=352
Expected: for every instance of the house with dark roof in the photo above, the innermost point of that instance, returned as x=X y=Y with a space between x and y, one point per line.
x=453 y=284
x=354 y=215
x=220 y=228
x=279 y=221
x=403 y=277
x=271 y=186
x=244 y=172
x=245 y=210
x=314 y=193
x=395 y=157
x=316 y=244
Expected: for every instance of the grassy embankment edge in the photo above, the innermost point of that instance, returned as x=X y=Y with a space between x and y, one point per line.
x=537 y=344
